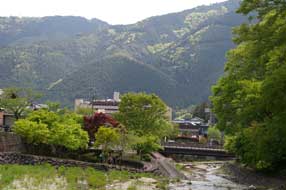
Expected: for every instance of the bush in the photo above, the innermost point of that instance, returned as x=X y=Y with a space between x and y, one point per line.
x=214 y=133
x=145 y=145
x=45 y=127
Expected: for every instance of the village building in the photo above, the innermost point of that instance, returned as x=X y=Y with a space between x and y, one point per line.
x=109 y=106
x=191 y=130
x=6 y=120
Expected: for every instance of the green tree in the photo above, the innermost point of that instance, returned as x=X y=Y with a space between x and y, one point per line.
x=199 y=111
x=33 y=132
x=249 y=100
x=53 y=106
x=49 y=128
x=145 y=145
x=16 y=100
x=84 y=111
x=214 y=133
x=108 y=139
x=144 y=114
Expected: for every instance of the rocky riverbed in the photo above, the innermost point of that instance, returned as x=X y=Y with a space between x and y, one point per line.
x=212 y=175
x=223 y=175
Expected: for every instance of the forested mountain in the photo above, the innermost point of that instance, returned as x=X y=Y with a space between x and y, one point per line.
x=177 y=56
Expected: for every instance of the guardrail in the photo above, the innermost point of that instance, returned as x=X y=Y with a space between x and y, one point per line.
x=192 y=145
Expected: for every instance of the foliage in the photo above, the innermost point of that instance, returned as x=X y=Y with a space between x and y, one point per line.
x=249 y=101
x=214 y=133
x=94 y=122
x=229 y=143
x=199 y=111
x=16 y=100
x=45 y=127
x=84 y=111
x=33 y=132
x=108 y=139
x=144 y=114
x=53 y=106
x=146 y=144
x=185 y=113
x=203 y=140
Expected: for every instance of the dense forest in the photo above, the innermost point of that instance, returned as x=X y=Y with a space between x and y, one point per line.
x=178 y=56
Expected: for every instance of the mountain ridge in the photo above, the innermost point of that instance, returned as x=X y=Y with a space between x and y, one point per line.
x=185 y=49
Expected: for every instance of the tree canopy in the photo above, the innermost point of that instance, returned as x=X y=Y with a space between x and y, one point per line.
x=108 y=139
x=46 y=127
x=249 y=101
x=144 y=114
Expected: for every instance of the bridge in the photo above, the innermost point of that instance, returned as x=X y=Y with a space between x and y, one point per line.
x=195 y=149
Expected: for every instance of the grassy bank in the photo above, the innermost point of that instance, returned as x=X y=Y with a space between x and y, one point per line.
x=45 y=177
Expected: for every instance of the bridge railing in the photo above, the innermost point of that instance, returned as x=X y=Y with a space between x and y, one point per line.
x=192 y=145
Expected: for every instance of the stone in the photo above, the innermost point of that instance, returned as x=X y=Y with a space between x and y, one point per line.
x=251 y=187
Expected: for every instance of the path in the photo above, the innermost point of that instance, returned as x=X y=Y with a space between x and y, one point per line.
x=166 y=167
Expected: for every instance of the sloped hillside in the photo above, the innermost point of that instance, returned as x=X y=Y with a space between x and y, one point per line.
x=177 y=56
x=119 y=73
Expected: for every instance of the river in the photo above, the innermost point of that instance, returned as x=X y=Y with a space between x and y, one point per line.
x=200 y=176
x=205 y=176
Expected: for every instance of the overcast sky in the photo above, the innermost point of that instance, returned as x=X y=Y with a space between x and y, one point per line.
x=111 y=11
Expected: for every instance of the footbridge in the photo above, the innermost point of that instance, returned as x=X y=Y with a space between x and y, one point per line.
x=195 y=149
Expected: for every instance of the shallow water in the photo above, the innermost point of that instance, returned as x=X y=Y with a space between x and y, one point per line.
x=205 y=176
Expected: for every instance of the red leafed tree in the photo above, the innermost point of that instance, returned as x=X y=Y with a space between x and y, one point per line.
x=92 y=123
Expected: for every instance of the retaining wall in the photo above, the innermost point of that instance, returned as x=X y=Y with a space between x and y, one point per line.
x=26 y=159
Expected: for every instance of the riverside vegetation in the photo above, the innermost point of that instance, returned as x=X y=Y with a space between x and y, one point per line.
x=46 y=177
x=249 y=100
x=60 y=132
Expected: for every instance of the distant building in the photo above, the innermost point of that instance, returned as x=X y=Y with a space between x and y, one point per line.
x=191 y=129
x=197 y=120
x=107 y=106
x=169 y=113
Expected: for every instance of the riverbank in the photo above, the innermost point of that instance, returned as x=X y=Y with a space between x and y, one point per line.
x=203 y=175
x=227 y=175
x=243 y=175
x=47 y=177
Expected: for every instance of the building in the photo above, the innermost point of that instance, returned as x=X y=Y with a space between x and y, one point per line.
x=107 y=106
x=169 y=113
x=6 y=120
x=191 y=130
x=197 y=121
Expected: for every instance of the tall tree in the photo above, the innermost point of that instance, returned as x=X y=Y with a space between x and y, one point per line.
x=16 y=100
x=108 y=139
x=249 y=101
x=144 y=114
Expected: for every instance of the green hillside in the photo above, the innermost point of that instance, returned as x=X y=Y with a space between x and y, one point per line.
x=177 y=56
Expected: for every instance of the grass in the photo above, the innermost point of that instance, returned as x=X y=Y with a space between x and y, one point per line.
x=179 y=167
x=72 y=178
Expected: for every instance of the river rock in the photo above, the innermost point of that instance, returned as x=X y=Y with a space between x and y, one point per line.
x=252 y=187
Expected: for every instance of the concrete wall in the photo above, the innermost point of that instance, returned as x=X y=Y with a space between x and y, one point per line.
x=10 y=142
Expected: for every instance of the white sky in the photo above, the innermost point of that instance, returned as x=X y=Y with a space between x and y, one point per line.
x=111 y=11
